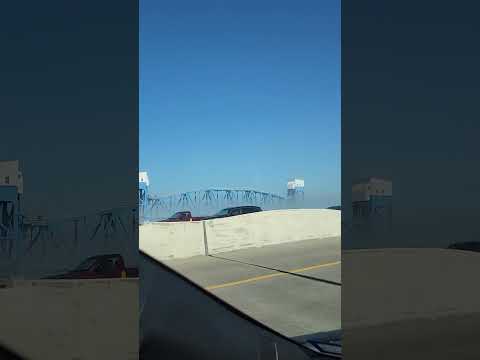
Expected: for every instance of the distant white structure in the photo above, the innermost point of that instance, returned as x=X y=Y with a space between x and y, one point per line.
x=11 y=189
x=143 y=185
x=143 y=178
x=295 y=189
x=10 y=175
x=372 y=203
x=296 y=184
x=365 y=190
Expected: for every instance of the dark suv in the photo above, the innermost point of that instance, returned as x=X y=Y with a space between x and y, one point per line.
x=239 y=210
x=466 y=246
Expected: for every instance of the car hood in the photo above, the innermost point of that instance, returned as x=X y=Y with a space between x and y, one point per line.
x=328 y=343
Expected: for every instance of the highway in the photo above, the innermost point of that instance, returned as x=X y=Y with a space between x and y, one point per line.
x=294 y=288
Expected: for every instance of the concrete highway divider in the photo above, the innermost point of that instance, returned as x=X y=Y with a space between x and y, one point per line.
x=173 y=240
x=186 y=239
x=271 y=227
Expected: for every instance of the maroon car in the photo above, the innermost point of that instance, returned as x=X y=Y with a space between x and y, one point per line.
x=100 y=267
x=182 y=216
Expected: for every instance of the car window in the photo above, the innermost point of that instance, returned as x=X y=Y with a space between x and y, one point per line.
x=107 y=265
x=154 y=305
x=222 y=212
x=178 y=216
x=225 y=178
x=86 y=265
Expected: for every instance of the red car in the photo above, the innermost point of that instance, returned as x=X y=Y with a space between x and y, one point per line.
x=100 y=267
x=182 y=216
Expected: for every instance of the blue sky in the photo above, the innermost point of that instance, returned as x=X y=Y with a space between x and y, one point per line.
x=241 y=94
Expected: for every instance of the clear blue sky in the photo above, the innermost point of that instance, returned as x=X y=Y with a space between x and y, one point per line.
x=241 y=94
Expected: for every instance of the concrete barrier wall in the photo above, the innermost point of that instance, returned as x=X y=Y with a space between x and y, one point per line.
x=71 y=319
x=172 y=240
x=271 y=227
x=165 y=241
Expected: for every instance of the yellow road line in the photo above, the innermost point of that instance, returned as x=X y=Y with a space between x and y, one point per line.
x=269 y=276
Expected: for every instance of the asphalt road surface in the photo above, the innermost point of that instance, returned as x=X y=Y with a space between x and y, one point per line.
x=294 y=288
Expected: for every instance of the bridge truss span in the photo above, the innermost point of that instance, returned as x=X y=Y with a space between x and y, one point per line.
x=209 y=200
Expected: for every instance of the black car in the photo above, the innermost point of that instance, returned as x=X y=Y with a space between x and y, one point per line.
x=334 y=208
x=234 y=211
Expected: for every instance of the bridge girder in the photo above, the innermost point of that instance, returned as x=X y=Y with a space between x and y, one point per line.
x=152 y=205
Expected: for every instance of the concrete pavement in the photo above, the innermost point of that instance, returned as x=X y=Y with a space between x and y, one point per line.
x=71 y=319
x=293 y=287
x=410 y=304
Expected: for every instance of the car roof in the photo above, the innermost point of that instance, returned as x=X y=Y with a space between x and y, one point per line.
x=242 y=207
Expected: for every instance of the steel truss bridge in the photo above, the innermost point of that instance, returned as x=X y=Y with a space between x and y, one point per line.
x=116 y=227
x=152 y=206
